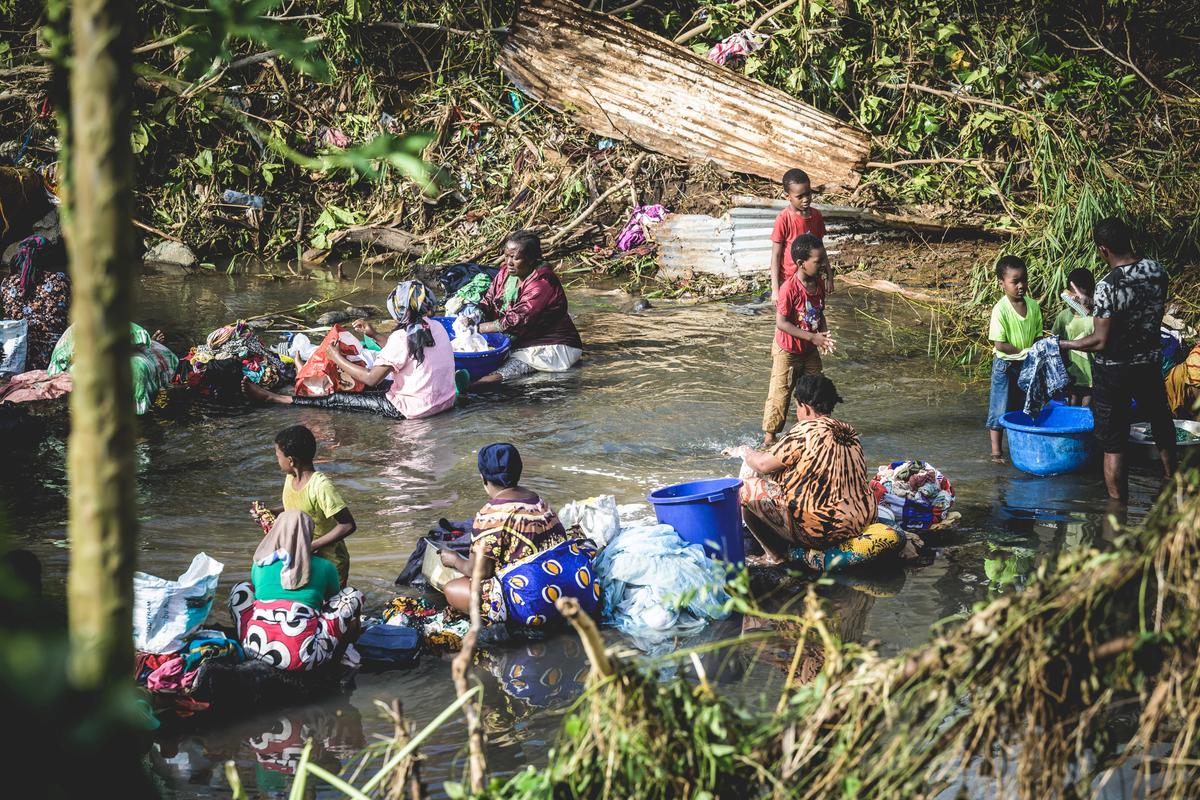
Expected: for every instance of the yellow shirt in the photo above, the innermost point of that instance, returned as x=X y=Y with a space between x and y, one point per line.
x=321 y=501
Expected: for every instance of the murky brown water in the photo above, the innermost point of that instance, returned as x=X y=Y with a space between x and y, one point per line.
x=658 y=395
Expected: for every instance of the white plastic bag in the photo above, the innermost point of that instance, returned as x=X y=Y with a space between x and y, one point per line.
x=466 y=338
x=166 y=612
x=14 y=345
x=596 y=515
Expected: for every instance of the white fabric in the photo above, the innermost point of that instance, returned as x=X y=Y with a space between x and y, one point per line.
x=466 y=338
x=548 y=357
x=596 y=515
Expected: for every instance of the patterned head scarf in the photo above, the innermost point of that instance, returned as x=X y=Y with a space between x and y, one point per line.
x=409 y=304
x=289 y=541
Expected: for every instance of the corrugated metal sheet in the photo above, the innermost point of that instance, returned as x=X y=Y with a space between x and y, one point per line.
x=625 y=82
x=739 y=243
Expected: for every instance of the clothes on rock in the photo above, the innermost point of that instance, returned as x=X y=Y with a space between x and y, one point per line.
x=821 y=496
x=875 y=541
x=1133 y=298
x=41 y=298
x=36 y=385
x=789 y=224
x=289 y=635
x=739 y=44
x=642 y=218
x=653 y=584
x=320 y=500
x=1070 y=325
x=1042 y=376
x=1004 y=394
x=912 y=495
x=537 y=315
x=215 y=368
x=1008 y=326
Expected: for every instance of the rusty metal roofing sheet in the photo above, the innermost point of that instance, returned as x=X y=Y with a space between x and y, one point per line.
x=625 y=82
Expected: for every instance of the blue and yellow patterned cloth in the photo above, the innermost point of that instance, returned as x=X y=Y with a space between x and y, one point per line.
x=532 y=586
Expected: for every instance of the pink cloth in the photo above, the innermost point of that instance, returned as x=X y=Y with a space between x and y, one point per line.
x=425 y=389
x=170 y=678
x=634 y=232
x=739 y=44
x=36 y=385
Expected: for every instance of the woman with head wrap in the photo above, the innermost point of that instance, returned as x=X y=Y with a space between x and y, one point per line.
x=527 y=302
x=292 y=612
x=529 y=560
x=416 y=356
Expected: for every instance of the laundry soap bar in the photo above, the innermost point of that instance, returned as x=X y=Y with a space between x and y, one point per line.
x=437 y=573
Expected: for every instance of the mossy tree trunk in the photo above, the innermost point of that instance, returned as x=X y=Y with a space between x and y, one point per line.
x=103 y=518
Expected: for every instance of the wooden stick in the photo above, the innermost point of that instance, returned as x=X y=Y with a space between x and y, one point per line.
x=161 y=234
x=589 y=634
x=703 y=27
x=964 y=98
x=462 y=662
x=616 y=187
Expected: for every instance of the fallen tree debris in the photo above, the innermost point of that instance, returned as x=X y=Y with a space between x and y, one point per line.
x=621 y=81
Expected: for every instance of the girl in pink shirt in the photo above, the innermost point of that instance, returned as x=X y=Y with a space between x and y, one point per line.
x=417 y=357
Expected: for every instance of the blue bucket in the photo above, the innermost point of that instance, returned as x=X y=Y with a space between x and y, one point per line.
x=706 y=513
x=1059 y=440
x=482 y=363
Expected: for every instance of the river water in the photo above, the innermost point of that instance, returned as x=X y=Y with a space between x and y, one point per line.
x=658 y=395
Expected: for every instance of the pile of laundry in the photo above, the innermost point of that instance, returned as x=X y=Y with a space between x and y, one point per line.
x=657 y=586
x=215 y=368
x=465 y=285
x=171 y=677
x=152 y=364
x=914 y=496
x=441 y=630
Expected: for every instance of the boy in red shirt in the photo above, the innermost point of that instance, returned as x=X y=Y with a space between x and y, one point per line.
x=801 y=333
x=798 y=218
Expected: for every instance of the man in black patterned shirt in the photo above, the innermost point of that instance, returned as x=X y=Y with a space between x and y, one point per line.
x=1129 y=305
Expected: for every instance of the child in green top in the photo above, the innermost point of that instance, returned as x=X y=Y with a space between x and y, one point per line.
x=1015 y=325
x=1071 y=324
x=305 y=489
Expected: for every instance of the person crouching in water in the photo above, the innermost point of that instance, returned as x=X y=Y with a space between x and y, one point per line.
x=292 y=612
x=527 y=302
x=529 y=559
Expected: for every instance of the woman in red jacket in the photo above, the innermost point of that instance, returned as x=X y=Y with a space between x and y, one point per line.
x=527 y=302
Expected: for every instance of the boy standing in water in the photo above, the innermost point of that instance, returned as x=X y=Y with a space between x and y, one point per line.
x=798 y=218
x=1016 y=324
x=801 y=333
x=1074 y=322
x=305 y=489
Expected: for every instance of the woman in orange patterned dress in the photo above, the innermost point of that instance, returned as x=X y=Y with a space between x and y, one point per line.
x=808 y=496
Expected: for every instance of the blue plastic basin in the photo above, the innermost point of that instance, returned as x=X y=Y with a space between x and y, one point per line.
x=705 y=513
x=482 y=363
x=1059 y=440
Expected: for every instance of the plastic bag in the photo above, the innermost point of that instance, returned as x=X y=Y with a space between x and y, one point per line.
x=14 y=345
x=320 y=376
x=466 y=338
x=596 y=515
x=166 y=612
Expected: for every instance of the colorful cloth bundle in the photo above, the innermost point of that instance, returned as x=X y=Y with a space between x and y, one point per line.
x=739 y=44
x=152 y=364
x=912 y=495
x=232 y=352
x=874 y=542
x=634 y=232
x=531 y=587
x=408 y=611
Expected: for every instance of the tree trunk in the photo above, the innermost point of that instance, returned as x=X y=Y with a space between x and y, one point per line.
x=100 y=242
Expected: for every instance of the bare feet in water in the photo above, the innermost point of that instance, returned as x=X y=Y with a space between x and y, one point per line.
x=912 y=546
x=764 y=560
x=998 y=458
x=260 y=395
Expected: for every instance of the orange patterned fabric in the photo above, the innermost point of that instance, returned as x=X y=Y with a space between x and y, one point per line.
x=822 y=494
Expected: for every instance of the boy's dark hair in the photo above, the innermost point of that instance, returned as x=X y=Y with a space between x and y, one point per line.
x=817 y=391
x=803 y=246
x=1083 y=278
x=1114 y=234
x=1006 y=263
x=795 y=177
x=297 y=442
x=528 y=243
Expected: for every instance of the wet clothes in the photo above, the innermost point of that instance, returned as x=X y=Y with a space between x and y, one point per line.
x=372 y=402
x=1042 y=376
x=450 y=535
